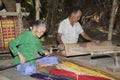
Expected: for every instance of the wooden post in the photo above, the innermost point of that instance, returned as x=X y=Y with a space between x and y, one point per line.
x=37 y=7
x=112 y=19
x=20 y=24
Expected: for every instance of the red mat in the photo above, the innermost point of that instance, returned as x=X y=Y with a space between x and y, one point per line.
x=68 y=74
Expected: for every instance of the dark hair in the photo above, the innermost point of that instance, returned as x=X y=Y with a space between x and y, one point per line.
x=38 y=23
x=74 y=9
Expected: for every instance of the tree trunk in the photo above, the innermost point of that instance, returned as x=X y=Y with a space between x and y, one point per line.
x=37 y=7
x=49 y=13
x=111 y=24
x=52 y=15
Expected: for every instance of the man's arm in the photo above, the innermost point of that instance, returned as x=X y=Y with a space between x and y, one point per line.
x=84 y=35
x=59 y=36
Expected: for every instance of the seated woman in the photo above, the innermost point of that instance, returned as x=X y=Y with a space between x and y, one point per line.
x=27 y=46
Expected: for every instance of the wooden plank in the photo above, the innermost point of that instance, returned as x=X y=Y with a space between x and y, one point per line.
x=13 y=13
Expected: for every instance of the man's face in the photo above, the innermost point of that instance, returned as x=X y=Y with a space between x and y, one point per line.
x=76 y=16
x=40 y=31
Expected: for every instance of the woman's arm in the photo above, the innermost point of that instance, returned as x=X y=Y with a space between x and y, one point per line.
x=13 y=45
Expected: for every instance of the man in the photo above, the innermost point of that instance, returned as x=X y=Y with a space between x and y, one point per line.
x=69 y=29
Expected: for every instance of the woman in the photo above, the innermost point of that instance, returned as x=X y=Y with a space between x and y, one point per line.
x=27 y=46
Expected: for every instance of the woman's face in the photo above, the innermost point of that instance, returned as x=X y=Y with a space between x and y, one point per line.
x=40 y=31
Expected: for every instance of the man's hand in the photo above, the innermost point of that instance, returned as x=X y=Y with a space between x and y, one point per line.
x=84 y=35
x=96 y=41
x=22 y=58
x=62 y=47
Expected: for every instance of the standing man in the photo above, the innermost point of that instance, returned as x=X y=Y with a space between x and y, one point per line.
x=69 y=29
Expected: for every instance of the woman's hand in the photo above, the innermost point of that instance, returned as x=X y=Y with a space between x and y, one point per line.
x=22 y=58
x=47 y=53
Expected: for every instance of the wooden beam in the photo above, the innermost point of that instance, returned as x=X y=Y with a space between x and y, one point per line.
x=13 y=13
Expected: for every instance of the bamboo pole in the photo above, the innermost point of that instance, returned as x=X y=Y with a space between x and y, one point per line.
x=112 y=19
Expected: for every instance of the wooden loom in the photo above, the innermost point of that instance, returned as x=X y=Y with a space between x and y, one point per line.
x=105 y=47
x=10 y=25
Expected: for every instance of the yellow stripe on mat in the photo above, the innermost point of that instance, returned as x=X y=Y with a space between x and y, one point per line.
x=62 y=66
x=81 y=69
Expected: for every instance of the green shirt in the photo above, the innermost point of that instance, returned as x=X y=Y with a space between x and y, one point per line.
x=27 y=44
